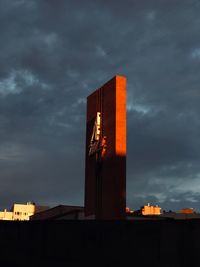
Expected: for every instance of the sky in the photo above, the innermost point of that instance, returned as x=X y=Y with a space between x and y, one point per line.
x=53 y=54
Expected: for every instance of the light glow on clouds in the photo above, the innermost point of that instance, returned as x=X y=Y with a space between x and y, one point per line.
x=78 y=102
x=17 y=81
x=100 y=51
x=19 y=3
x=174 y=200
x=160 y=196
x=48 y=40
x=138 y=108
x=51 y=39
x=192 y=199
x=191 y=185
x=8 y=85
x=196 y=53
x=151 y=15
x=177 y=186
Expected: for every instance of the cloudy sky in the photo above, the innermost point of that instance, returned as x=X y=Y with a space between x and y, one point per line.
x=55 y=53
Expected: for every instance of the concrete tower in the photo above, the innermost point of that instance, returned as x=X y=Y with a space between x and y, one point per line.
x=105 y=165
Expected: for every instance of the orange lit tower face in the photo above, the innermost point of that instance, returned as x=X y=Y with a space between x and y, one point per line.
x=105 y=171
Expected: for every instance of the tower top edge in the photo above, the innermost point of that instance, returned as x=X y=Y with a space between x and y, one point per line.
x=114 y=78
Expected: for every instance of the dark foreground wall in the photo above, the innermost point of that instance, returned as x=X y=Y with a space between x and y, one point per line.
x=159 y=243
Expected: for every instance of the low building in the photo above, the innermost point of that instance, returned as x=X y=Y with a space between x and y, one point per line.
x=187 y=211
x=6 y=215
x=21 y=212
x=148 y=210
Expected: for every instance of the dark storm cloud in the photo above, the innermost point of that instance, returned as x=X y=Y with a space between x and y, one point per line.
x=54 y=53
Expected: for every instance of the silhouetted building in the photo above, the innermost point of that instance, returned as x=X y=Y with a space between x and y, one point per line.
x=105 y=170
x=129 y=210
x=60 y=212
x=181 y=215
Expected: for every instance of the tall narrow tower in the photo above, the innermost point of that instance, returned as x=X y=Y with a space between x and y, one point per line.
x=105 y=159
